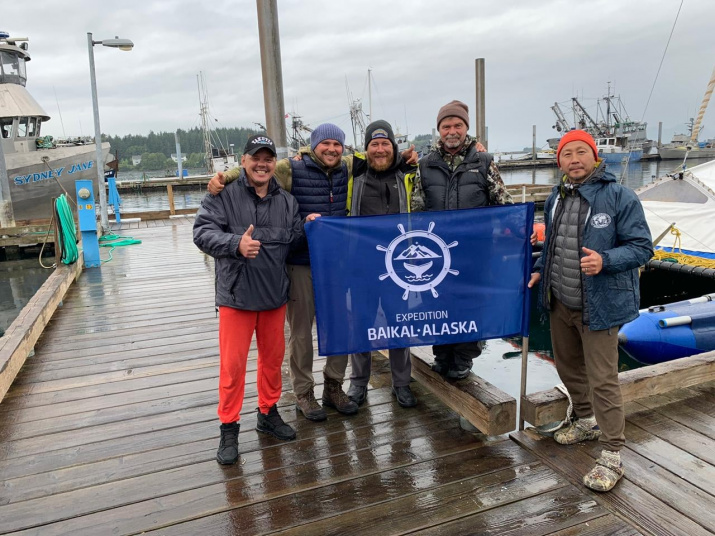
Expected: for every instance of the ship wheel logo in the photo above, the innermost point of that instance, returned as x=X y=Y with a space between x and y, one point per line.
x=415 y=266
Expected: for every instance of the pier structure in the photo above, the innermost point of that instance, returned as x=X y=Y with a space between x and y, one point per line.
x=110 y=427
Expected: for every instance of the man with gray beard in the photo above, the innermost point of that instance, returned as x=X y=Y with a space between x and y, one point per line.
x=457 y=173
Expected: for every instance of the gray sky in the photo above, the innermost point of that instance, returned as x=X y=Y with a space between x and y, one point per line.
x=421 y=54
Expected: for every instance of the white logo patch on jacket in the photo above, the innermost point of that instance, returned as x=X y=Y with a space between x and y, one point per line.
x=601 y=220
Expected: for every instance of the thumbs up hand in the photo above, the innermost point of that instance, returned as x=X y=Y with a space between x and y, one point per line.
x=248 y=247
x=591 y=262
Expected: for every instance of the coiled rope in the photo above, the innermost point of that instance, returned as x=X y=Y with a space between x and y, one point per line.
x=678 y=256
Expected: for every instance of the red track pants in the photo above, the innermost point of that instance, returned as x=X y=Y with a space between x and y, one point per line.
x=235 y=332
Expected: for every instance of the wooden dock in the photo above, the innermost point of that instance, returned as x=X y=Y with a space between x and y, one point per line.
x=111 y=428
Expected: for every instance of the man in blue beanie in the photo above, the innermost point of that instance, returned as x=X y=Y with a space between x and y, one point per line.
x=319 y=182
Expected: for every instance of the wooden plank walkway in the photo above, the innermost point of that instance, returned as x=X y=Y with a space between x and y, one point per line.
x=111 y=428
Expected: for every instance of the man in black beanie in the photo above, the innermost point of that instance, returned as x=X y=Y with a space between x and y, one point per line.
x=457 y=173
x=382 y=184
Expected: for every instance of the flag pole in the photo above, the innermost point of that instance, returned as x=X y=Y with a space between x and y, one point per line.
x=524 y=361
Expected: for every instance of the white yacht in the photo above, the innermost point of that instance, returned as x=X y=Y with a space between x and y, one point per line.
x=38 y=168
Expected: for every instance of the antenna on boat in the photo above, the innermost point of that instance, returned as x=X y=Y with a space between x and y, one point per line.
x=59 y=112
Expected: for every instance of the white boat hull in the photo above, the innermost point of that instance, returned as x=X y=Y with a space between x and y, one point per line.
x=34 y=183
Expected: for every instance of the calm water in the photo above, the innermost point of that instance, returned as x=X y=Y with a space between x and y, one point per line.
x=19 y=280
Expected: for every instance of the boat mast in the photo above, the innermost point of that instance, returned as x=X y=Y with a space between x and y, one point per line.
x=369 y=94
x=703 y=107
x=205 y=126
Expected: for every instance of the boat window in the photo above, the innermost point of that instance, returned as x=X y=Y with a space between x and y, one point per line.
x=13 y=68
x=39 y=123
x=6 y=127
x=22 y=127
x=32 y=128
x=669 y=191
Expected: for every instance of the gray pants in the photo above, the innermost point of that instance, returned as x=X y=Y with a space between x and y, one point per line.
x=300 y=314
x=587 y=363
x=400 y=365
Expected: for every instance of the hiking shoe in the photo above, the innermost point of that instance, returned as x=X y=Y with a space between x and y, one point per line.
x=607 y=472
x=309 y=407
x=227 y=453
x=273 y=424
x=458 y=372
x=357 y=393
x=440 y=368
x=404 y=396
x=579 y=430
x=335 y=397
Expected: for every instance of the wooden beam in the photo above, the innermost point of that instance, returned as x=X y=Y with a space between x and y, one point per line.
x=20 y=338
x=488 y=408
x=549 y=406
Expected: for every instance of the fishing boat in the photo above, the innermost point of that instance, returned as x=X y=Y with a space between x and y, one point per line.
x=666 y=332
x=618 y=137
x=684 y=146
x=38 y=168
x=612 y=152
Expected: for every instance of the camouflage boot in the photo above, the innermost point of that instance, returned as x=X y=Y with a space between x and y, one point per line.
x=335 y=397
x=579 y=430
x=607 y=473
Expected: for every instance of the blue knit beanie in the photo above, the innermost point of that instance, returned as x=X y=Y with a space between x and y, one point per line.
x=326 y=131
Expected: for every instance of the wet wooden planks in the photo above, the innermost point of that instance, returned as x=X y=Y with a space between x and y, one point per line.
x=111 y=428
x=669 y=486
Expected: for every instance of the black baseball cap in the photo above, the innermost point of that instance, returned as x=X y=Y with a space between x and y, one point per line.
x=258 y=142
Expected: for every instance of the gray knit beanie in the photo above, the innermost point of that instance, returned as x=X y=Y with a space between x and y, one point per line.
x=326 y=131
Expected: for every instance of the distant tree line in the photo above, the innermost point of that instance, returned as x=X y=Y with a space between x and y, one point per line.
x=156 y=148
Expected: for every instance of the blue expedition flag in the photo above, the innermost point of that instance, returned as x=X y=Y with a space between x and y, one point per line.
x=420 y=279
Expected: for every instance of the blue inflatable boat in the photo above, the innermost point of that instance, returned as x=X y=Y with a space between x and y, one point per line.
x=665 y=332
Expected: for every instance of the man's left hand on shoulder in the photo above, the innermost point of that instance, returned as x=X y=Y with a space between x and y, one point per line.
x=591 y=262
x=410 y=156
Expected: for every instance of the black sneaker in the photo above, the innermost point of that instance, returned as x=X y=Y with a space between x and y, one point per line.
x=227 y=453
x=404 y=396
x=357 y=393
x=273 y=424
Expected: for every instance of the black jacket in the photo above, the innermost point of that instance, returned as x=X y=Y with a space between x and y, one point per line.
x=258 y=284
x=465 y=187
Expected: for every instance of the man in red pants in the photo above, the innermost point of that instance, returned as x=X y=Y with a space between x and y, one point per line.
x=249 y=229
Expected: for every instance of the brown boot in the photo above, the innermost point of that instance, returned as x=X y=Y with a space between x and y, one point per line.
x=309 y=407
x=335 y=397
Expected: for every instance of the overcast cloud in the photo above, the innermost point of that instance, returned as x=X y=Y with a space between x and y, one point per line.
x=421 y=54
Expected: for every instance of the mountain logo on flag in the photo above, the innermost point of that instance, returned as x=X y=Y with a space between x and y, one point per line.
x=412 y=268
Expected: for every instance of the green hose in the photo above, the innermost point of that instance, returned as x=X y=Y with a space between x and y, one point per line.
x=66 y=233
x=115 y=241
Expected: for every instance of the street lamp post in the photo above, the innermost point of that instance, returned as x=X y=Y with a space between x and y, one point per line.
x=121 y=44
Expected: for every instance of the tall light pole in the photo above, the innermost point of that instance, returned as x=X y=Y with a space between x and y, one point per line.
x=121 y=44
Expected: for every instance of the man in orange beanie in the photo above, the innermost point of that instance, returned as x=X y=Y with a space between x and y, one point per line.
x=596 y=238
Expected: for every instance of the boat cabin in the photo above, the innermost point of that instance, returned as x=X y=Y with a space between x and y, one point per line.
x=607 y=145
x=21 y=116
